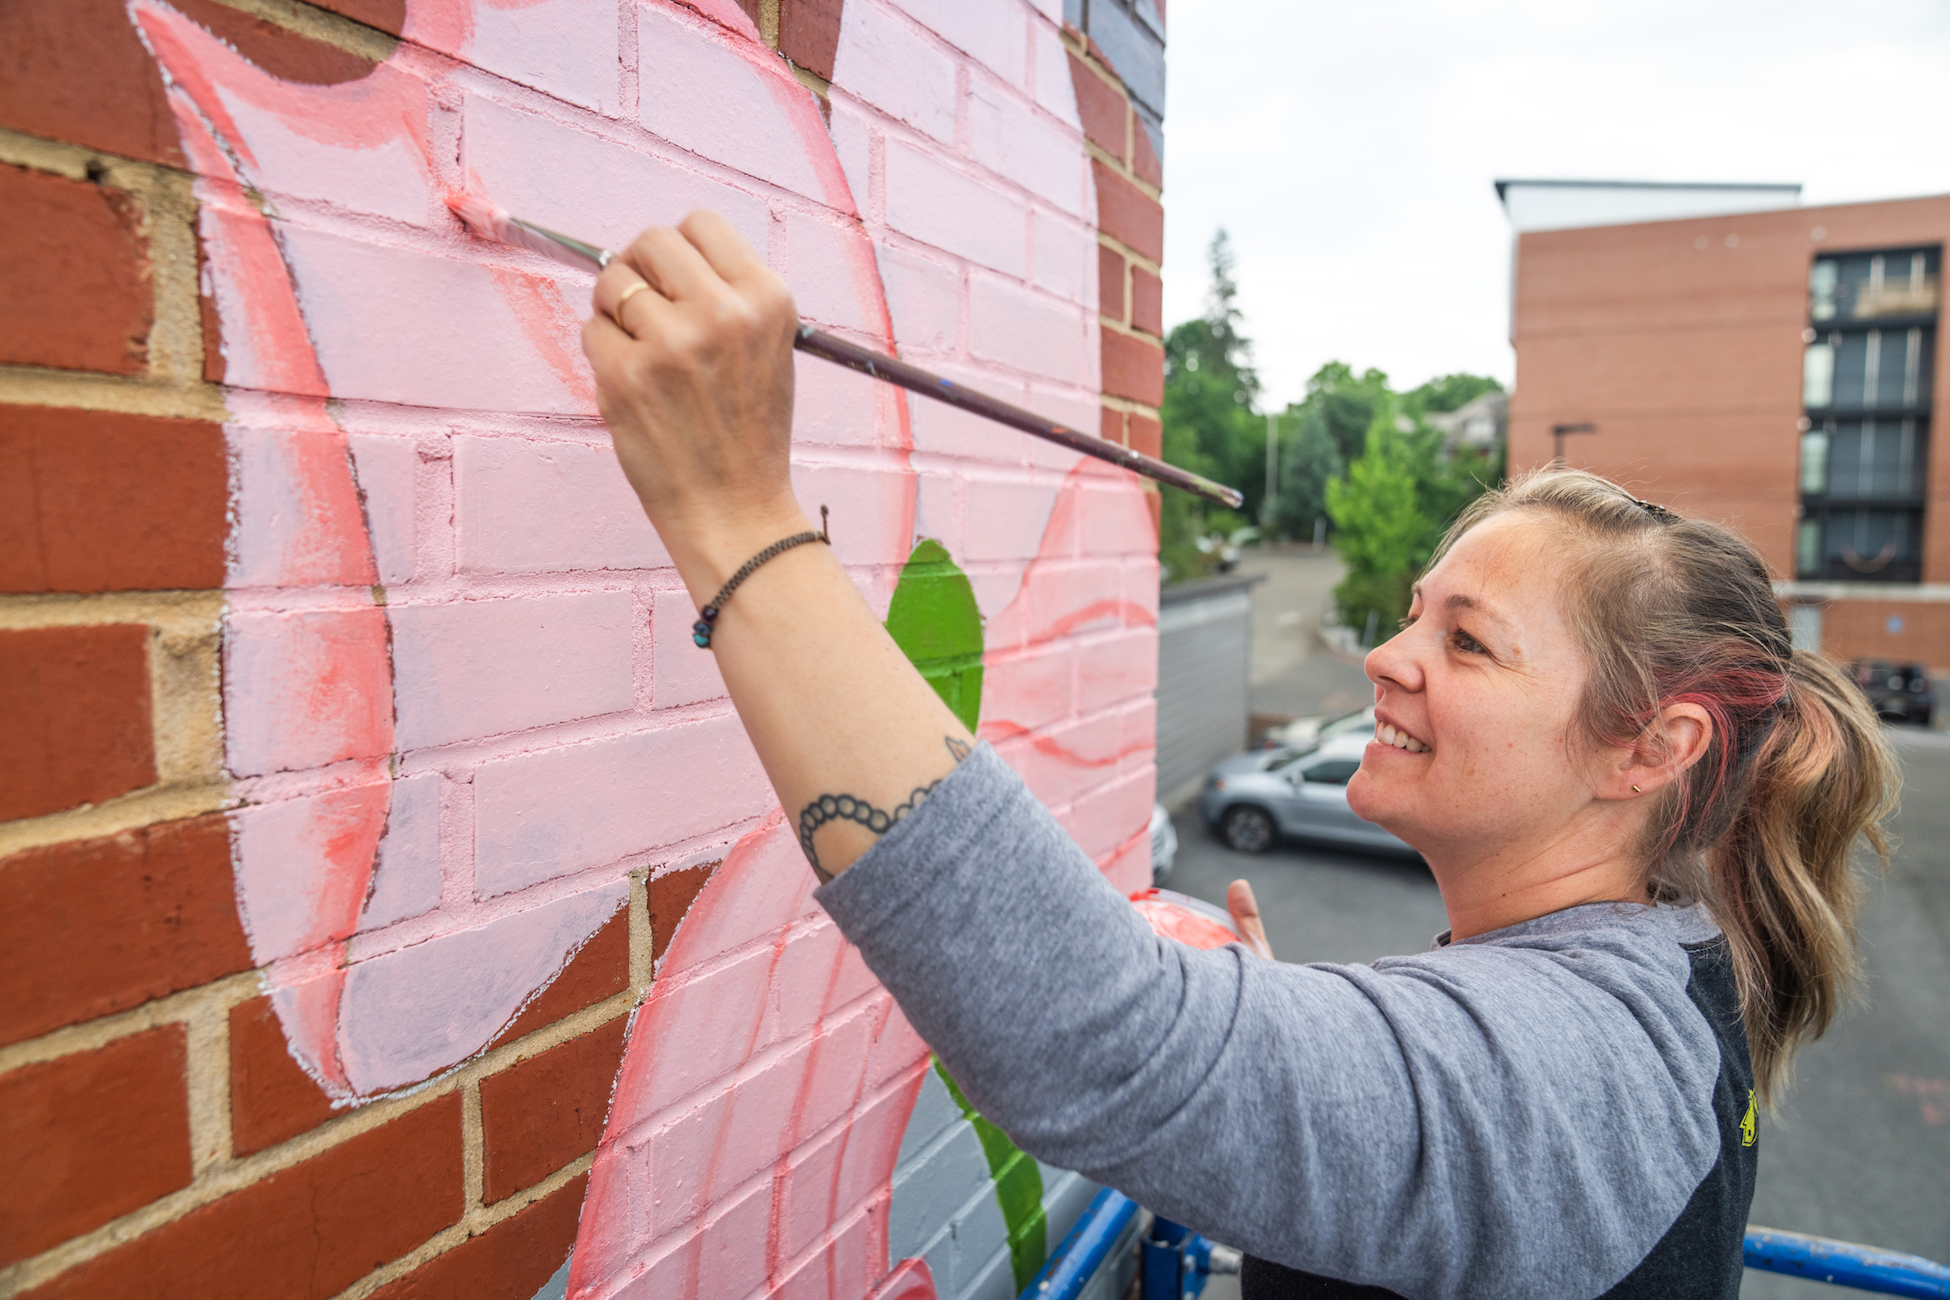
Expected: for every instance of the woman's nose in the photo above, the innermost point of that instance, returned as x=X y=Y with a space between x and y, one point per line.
x=1392 y=663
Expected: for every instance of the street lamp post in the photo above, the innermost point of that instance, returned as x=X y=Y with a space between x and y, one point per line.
x=1561 y=431
x=1272 y=473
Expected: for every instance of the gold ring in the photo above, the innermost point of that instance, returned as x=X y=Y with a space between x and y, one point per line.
x=616 y=313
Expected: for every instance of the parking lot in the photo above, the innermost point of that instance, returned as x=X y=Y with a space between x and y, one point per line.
x=1861 y=1148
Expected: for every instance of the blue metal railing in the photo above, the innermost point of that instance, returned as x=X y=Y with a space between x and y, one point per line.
x=1843 y=1263
x=1176 y=1261
x=1079 y=1255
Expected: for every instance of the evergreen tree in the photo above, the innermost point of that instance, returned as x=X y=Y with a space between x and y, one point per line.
x=1209 y=424
x=1310 y=459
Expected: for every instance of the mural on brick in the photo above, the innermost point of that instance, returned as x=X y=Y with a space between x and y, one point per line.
x=462 y=718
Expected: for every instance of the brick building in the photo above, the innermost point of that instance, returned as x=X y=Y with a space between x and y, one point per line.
x=390 y=903
x=1771 y=366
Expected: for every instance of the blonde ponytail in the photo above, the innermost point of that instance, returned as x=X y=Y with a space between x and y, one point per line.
x=1783 y=885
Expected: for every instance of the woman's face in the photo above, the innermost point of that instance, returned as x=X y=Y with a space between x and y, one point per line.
x=1476 y=701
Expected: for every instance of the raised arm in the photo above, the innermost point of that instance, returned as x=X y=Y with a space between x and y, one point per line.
x=692 y=349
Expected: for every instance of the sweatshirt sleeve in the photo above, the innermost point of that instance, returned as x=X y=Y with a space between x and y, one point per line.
x=1483 y=1121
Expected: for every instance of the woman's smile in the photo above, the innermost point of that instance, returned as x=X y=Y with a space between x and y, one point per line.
x=1389 y=736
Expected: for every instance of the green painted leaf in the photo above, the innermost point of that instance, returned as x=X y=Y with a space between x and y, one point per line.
x=934 y=620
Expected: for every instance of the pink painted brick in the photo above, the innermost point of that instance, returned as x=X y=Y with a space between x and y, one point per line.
x=856 y=1247
x=1075 y=405
x=943 y=430
x=836 y=1169
x=994 y=35
x=384 y=174
x=887 y=65
x=395 y=325
x=564 y=48
x=296 y=519
x=960 y=214
x=408 y=1013
x=1009 y=138
x=1122 y=667
x=534 y=819
x=406 y=876
x=737 y=1121
x=1040 y=687
x=1115 y=520
x=1104 y=819
x=1026 y=331
x=1064 y=764
x=870 y=521
x=853 y=132
x=1128 y=866
x=687 y=1023
x=1065 y=261
x=819 y=973
x=830 y=268
x=1138 y=734
x=386 y=469
x=833 y=406
x=1052 y=63
x=317 y=847
x=548 y=507
x=684 y=674
x=924 y=298
x=476 y=668
x=700 y=93
x=997 y=509
x=708 y=1257
x=275 y=719
x=603 y=191
x=1072 y=598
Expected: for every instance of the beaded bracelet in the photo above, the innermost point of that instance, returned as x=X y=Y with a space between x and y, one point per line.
x=701 y=630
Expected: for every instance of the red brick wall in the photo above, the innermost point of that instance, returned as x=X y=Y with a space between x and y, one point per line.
x=1130 y=236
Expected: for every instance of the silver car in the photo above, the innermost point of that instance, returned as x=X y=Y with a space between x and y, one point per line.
x=1250 y=800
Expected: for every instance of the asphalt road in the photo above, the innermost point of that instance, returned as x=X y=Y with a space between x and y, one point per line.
x=1861 y=1147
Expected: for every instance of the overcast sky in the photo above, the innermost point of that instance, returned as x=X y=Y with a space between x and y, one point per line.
x=1349 y=148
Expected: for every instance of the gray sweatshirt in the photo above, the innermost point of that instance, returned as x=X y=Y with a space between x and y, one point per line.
x=1554 y=1109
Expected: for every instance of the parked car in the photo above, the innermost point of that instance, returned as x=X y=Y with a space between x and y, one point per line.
x=1306 y=733
x=1897 y=692
x=1164 y=843
x=1253 y=799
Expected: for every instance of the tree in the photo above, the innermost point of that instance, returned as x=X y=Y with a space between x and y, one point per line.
x=1447 y=393
x=1348 y=403
x=1310 y=459
x=1209 y=424
x=1381 y=532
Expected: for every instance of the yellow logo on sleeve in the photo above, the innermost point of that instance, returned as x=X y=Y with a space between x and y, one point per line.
x=1748 y=1121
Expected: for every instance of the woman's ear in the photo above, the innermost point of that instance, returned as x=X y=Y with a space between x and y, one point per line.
x=1677 y=739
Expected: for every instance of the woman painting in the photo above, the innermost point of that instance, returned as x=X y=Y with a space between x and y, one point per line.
x=1638 y=799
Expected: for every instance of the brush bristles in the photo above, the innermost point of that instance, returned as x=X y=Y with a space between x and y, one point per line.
x=480 y=216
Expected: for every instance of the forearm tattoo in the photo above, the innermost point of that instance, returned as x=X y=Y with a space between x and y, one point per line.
x=846 y=807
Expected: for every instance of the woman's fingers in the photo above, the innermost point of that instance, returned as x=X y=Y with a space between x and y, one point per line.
x=1245 y=915
x=729 y=253
x=673 y=266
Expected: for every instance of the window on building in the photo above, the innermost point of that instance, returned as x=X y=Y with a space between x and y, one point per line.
x=1866 y=383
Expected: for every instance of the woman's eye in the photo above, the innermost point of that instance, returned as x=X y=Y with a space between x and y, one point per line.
x=1408 y=621
x=1466 y=643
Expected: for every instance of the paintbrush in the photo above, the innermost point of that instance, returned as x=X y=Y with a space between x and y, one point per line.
x=491 y=222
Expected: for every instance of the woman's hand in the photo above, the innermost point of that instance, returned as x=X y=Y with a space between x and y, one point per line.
x=1245 y=916
x=692 y=349
x=691 y=346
